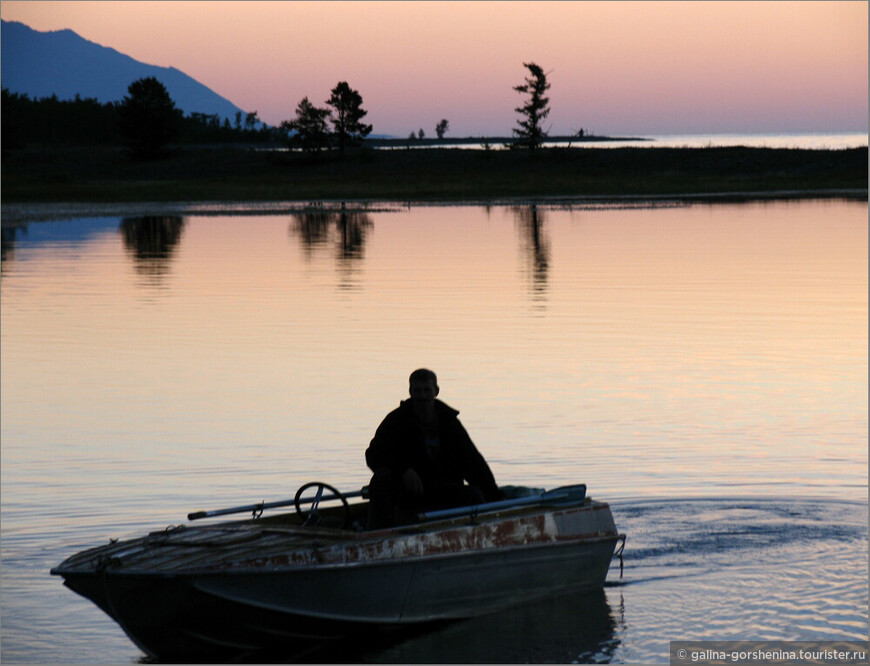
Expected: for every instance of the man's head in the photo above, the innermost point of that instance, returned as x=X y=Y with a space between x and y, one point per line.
x=423 y=386
x=423 y=375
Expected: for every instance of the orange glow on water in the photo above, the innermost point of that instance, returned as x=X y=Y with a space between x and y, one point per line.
x=657 y=336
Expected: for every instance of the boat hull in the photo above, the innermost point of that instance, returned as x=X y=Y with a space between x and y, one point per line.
x=175 y=602
x=191 y=617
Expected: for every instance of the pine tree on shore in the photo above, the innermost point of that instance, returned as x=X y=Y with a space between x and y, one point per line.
x=309 y=127
x=535 y=109
x=348 y=114
x=147 y=118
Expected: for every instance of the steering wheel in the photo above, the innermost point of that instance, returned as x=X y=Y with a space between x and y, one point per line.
x=312 y=517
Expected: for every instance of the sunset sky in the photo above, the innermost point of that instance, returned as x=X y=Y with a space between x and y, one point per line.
x=615 y=67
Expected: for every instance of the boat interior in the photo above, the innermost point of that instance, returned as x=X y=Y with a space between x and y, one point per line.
x=318 y=505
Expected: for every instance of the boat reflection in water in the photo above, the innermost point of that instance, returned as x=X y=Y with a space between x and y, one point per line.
x=573 y=628
x=303 y=583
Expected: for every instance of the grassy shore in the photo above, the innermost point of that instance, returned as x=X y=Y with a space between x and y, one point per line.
x=101 y=175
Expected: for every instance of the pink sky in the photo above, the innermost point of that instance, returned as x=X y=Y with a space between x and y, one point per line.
x=615 y=67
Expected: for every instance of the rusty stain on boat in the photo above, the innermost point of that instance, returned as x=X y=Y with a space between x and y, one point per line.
x=257 y=546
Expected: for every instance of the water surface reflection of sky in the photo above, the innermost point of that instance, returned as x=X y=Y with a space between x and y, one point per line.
x=648 y=351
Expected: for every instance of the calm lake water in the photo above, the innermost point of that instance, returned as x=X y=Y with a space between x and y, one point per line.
x=703 y=367
x=803 y=140
x=810 y=141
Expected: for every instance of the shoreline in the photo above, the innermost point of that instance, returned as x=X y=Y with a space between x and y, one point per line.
x=447 y=142
x=18 y=213
x=209 y=174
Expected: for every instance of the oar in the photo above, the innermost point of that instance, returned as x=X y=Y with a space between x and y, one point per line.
x=257 y=508
x=565 y=494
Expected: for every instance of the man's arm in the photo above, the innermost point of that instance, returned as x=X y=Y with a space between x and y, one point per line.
x=384 y=452
x=384 y=449
x=475 y=468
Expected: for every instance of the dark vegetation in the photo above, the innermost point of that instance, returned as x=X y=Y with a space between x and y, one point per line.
x=50 y=121
x=226 y=173
x=347 y=115
x=148 y=120
x=309 y=129
x=144 y=149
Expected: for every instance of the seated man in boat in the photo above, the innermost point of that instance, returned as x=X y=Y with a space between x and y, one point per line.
x=422 y=457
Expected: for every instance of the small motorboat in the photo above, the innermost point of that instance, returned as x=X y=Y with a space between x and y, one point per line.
x=292 y=580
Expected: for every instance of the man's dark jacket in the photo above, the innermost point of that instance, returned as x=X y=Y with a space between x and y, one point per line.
x=399 y=444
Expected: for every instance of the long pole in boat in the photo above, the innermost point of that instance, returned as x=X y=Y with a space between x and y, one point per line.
x=256 y=508
x=565 y=494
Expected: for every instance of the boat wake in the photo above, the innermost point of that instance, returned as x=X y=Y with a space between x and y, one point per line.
x=712 y=532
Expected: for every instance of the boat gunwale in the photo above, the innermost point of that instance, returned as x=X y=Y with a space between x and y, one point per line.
x=308 y=568
x=337 y=539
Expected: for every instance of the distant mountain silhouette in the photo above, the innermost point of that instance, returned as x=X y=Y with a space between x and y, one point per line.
x=42 y=64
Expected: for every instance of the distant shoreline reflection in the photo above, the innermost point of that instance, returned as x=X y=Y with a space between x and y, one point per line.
x=152 y=240
x=531 y=222
x=347 y=229
x=314 y=227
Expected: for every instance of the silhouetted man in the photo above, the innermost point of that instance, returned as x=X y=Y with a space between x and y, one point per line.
x=421 y=457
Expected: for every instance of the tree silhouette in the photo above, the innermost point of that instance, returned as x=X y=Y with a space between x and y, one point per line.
x=441 y=128
x=86 y=121
x=347 y=119
x=311 y=130
x=147 y=118
x=535 y=109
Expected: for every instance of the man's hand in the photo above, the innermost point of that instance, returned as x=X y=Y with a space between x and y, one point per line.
x=412 y=483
